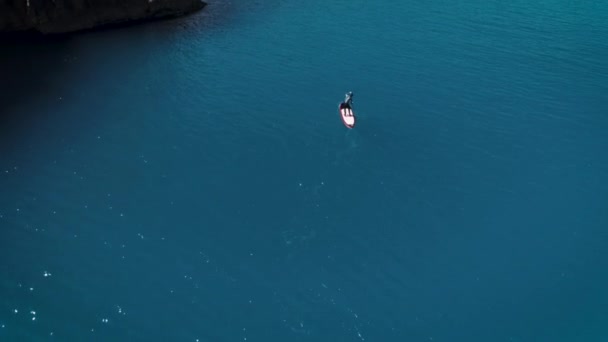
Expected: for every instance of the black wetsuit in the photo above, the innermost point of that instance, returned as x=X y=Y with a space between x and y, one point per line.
x=348 y=100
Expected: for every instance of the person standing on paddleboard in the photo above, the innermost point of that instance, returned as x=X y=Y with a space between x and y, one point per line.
x=348 y=99
x=346 y=110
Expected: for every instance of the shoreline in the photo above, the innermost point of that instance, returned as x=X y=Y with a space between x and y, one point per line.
x=39 y=18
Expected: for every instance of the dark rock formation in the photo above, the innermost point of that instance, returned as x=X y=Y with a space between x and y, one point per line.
x=60 y=16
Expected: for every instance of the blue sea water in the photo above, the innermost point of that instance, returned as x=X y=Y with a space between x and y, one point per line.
x=190 y=180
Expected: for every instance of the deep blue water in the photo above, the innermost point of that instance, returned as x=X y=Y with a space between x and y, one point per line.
x=191 y=179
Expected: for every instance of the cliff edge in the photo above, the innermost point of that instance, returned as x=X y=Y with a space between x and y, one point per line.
x=61 y=16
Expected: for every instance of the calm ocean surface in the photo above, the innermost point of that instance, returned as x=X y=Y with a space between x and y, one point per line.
x=191 y=180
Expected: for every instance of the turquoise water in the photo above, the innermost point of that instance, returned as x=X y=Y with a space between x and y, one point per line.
x=191 y=180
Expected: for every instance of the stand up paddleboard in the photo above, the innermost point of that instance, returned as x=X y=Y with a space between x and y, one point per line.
x=347 y=115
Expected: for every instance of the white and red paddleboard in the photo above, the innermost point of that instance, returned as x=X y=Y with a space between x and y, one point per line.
x=347 y=115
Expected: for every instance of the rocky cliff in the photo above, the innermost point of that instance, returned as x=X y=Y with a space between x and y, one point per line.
x=60 y=16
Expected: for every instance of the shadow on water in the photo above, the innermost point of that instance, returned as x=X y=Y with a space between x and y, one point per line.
x=33 y=66
x=31 y=63
x=30 y=67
